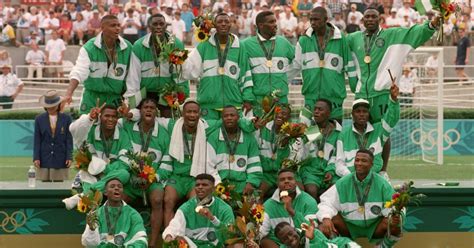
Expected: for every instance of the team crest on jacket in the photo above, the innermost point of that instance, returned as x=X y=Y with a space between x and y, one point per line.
x=119 y=71
x=376 y=210
x=152 y=155
x=280 y=64
x=233 y=69
x=83 y=107
x=204 y=112
x=241 y=162
x=380 y=42
x=334 y=62
x=211 y=236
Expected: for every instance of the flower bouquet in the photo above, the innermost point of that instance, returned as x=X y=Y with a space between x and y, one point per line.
x=270 y=106
x=203 y=25
x=88 y=204
x=177 y=243
x=401 y=198
x=173 y=55
x=82 y=157
x=246 y=228
x=444 y=7
x=289 y=131
x=173 y=95
x=226 y=192
x=142 y=172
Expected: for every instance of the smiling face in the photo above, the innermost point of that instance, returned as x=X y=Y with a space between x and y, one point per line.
x=108 y=119
x=289 y=237
x=282 y=116
x=362 y=164
x=114 y=191
x=287 y=181
x=203 y=188
x=222 y=24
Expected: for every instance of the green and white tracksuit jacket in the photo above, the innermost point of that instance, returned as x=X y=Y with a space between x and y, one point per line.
x=198 y=230
x=318 y=167
x=341 y=199
x=129 y=225
x=329 y=81
x=321 y=241
x=267 y=141
x=267 y=79
x=375 y=135
x=216 y=91
x=304 y=205
x=245 y=168
x=85 y=129
x=101 y=80
x=142 y=69
x=389 y=51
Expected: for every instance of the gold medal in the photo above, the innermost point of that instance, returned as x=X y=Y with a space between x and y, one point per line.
x=273 y=156
x=231 y=158
x=361 y=209
x=321 y=153
x=157 y=70
x=110 y=237
x=367 y=59
x=269 y=63
x=221 y=70
x=321 y=63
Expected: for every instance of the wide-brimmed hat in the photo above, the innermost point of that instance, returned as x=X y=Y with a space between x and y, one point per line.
x=360 y=102
x=6 y=66
x=50 y=99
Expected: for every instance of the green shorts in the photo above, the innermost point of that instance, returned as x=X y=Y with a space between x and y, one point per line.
x=89 y=100
x=357 y=231
x=134 y=193
x=182 y=184
x=336 y=113
x=378 y=107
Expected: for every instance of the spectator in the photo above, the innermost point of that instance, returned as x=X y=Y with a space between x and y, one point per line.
x=407 y=87
x=5 y=58
x=303 y=24
x=87 y=12
x=121 y=13
x=168 y=14
x=33 y=37
x=178 y=26
x=132 y=4
x=352 y=26
x=71 y=10
x=10 y=87
x=393 y=20
x=23 y=26
x=288 y=25
x=188 y=17
x=93 y=25
x=406 y=10
x=7 y=37
x=49 y=24
x=35 y=59
x=65 y=28
x=304 y=7
x=130 y=26
x=448 y=28
x=218 y=6
x=337 y=6
x=338 y=21
x=52 y=148
x=247 y=5
x=406 y=22
x=79 y=28
x=245 y=25
x=55 y=53
x=462 y=55
x=34 y=19
x=432 y=67
x=358 y=16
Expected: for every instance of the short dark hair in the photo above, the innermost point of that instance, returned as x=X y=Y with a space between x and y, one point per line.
x=147 y=100
x=320 y=10
x=280 y=227
x=366 y=151
x=189 y=102
x=205 y=176
x=329 y=103
x=108 y=18
x=108 y=106
x=229 y=106
x=285 y=170
x=372 y=9
x=111 y=179
x=220 y=14
x=153 y=16
x=262 y=15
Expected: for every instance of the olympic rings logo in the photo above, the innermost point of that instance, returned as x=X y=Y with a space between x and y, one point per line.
x=428 y=140
x=10 y=223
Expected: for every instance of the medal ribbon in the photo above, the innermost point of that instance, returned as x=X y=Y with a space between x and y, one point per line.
x=369 y=41
x=268 y=53
x=361 y=199
x=189 y=150
x=231 y=144
x=111 y=58
x=106 y=143
x=362 y=140
x=111 y=226
x=154 y=51
x=322 y=142
x=321 y=47
x=145 y=138
x=222 y=57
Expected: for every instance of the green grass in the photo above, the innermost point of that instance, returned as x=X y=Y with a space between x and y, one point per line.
x=454 y=167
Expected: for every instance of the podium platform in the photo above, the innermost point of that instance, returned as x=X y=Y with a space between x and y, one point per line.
x=37 y=216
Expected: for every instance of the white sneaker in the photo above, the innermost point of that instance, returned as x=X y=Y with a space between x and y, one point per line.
x=71 y=202
x=384 y=174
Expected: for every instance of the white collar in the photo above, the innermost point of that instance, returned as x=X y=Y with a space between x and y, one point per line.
x=241 y=137
x=337 y=32
x=368 y=129
x=260 y=37
x=98 y=42
x=97 y=132
x=136 y=127
x=235 y=43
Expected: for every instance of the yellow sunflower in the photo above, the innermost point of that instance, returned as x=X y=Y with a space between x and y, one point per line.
x=388 y=204
x=81 y=207
x=220 y=189
x=200 y=36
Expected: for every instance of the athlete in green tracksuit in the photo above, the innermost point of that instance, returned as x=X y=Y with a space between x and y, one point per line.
x=221 y=65
x=323 y=57
x=288 y=204
x=147 y=70
x=201 y=220
x=355 y=206
x=233 y=155
x=270 y=56
x=319 y=174
x=376 y=50
x=365 y=135
x=118 y=225
x=102 y=67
